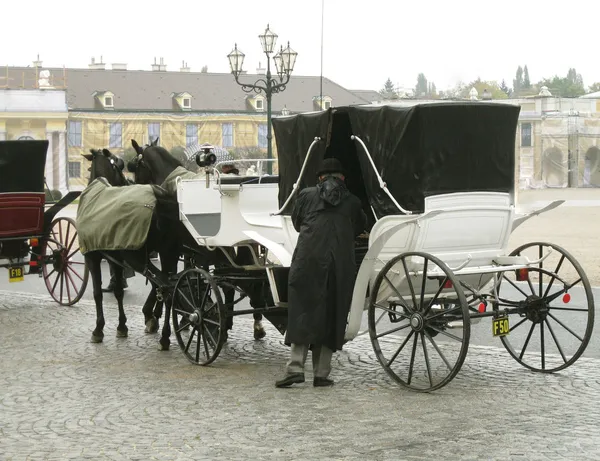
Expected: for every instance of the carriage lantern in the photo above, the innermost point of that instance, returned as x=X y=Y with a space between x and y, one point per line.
x=284 y=61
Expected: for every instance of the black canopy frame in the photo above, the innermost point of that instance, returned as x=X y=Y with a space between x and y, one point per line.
x=22 y=165
x=418 y=150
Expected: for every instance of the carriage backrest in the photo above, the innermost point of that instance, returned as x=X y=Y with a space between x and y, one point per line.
x=22 y=196
x=471 y=223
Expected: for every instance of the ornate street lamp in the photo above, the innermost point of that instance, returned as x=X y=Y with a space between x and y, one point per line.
x=284 y=61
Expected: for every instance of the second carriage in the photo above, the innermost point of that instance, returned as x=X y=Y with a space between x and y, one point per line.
x=438 y=184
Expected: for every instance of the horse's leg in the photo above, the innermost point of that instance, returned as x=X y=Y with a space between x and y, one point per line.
x=92 y=261
x=120 y=294
x=168 y=259
x=255 y=293
x=150 y=317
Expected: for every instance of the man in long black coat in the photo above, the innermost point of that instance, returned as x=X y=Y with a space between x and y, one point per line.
x=321 y=279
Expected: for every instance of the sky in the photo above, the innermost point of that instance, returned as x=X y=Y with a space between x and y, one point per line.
x=364 y=42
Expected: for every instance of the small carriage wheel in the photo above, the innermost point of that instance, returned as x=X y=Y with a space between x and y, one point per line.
x=197 y=303
x=556 y=322
x=63 y=266
x=429 y=313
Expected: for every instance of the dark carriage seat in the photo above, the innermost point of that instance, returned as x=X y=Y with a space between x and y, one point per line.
x=21 y=214
x=22 y=195
x=268 y=179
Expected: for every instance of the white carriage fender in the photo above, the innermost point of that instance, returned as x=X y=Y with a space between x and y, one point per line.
x=366 y=271
x=278 y=250
x=522 y=218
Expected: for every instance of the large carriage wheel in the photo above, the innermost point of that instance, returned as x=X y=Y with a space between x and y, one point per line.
x=419 y=323
x=558 y=308
x=198 y=316
x=63 y=266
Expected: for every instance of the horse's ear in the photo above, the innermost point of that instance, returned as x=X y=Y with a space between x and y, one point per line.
x=155 y=142
x=89 y=157
x=136 y=146
x=106 y=153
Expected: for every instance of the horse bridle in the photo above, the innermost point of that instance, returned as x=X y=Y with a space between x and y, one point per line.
x=140 y=161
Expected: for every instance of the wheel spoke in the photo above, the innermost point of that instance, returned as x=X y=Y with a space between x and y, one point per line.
x=410 y=285
x=571 y=309
x=437 y=294
x=438 y=350
x=400 y=348
x=553 y=296
x=445 y=333
x=443 y=312
x=212 y=322
x=543 y=351
x=515 y=286
x=555 y=340
x=527 y=341
x=565 y=327
x=398 y=294
x=562 y=258
x=211 y=337
x=518 y=324
x=392 y=330
x=198 y=346
x=426 y=359
x=191 y=338
x=424 y=282
x=74 y=272
x=205 y=343
x=541 y=275
x=391 y=311
x=182 y=327
x=412 y=358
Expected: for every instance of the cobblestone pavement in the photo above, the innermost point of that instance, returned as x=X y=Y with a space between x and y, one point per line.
x=62 y=397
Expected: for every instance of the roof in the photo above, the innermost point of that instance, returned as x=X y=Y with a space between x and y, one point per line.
x=141 y=90
x=594 y=95
x=368 y=95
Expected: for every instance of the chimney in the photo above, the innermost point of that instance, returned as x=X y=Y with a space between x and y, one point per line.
x=155 y=66
x=119 y=66
x=261 y=70
x=162 y=67
x=184 y=67
x=96 y=65
x=37 y=63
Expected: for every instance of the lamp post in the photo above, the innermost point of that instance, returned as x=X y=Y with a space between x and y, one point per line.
x=284 y=64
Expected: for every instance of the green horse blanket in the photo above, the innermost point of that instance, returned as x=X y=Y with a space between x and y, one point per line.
x=114 y=218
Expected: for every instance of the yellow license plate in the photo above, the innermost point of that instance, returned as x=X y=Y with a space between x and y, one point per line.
x=500 y=326
x=15 y=274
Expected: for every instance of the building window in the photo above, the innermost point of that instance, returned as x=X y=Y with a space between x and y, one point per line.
x=227 y=132
x=74 y=170
x=526 y=134
x=116 y=135
x=153 y=132
x=262 y=136
x=75 y=134
x=191 y=134
x=108 y=101
x=187 y=103
x=259 y=104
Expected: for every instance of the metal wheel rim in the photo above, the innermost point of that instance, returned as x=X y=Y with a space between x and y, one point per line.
x=551 y=333
x=65 y=284
x=422 y=337
x=211 y=326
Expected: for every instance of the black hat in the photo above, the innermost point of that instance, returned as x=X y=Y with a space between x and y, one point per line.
x=331 y=165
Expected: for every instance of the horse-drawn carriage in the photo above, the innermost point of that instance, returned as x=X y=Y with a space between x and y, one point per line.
x=32 y=239
x=437 y=182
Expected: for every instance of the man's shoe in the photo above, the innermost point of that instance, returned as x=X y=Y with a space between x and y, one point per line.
x=323 y=382
x=294 y=378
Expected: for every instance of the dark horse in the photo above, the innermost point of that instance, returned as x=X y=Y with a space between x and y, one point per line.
x=153 y=165
x=106 y=165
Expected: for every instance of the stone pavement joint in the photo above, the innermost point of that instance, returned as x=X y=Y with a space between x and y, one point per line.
x=63 y=398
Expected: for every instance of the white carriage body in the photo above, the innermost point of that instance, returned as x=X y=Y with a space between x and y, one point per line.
x=467 y=231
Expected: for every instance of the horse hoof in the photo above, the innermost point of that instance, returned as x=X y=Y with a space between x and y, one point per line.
x=121 y=334
x=163 y=347
x=97 y=339
x=259 y=332
x=151 y=326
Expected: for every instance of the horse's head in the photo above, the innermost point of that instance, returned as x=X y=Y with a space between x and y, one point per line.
x=106 y=165
x=152 y=164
